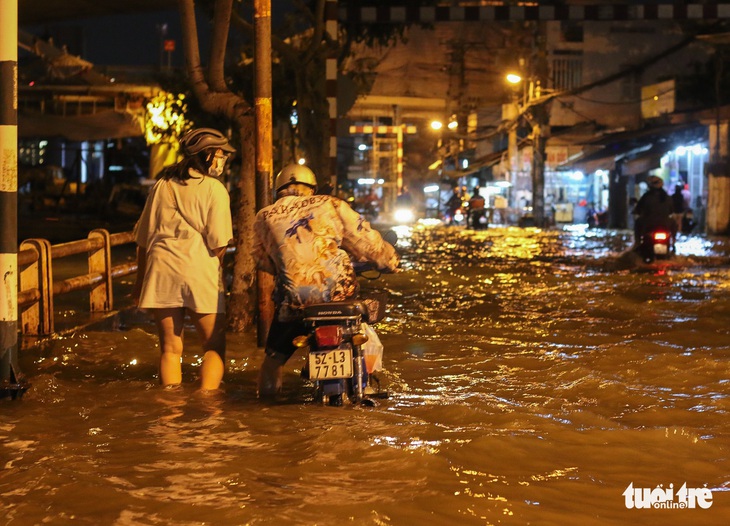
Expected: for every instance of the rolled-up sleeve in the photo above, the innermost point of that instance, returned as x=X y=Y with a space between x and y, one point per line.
x=262 y=257
x=364 y=243
x=142 y=228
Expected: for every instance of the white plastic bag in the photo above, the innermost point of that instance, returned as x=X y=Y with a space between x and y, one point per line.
x=372 y=350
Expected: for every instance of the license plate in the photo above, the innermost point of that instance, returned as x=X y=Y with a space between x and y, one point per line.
x=329 y=365
x=660 y=250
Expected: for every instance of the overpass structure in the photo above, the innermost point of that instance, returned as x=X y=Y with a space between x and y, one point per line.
x=598 y=11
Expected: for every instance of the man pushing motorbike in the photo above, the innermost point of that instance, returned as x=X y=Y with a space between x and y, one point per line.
x=307 y=241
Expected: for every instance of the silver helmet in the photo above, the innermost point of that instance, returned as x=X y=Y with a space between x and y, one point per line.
x=295 y=173
x=198 y=140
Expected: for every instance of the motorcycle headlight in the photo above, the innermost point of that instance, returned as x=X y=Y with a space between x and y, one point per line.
x=403 y=215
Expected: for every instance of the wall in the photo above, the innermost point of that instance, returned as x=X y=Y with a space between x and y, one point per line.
x=610 y=47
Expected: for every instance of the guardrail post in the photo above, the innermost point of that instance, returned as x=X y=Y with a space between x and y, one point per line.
x=38 y=317
x=100 y=261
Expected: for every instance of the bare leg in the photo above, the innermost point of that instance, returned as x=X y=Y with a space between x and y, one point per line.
x=170 y=329
x=212 y=331
x=269 y=377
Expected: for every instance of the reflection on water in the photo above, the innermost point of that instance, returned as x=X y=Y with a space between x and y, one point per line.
x=533 y=376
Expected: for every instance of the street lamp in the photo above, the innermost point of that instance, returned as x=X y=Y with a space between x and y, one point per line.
x=437 y=125
x=444 y=141
x=538 y=120
x=511 y=112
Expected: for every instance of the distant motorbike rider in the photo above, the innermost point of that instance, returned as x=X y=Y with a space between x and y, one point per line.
x=306 y=241
x=477 y=210
x=404 y=198
x=653 y=210
x=454 y=203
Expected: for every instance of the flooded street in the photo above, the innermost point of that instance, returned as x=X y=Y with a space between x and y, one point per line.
x=533 y=376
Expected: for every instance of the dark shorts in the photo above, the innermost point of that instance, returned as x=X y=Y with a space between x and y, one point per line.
x=279 y=341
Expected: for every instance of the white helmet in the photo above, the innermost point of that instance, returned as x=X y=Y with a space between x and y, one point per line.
x=654 y=181
x=295 y=173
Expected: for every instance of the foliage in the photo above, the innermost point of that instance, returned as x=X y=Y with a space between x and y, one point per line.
x=165 y=118
x=301 y=46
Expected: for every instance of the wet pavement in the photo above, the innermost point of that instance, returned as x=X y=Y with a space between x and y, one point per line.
x=535 y=377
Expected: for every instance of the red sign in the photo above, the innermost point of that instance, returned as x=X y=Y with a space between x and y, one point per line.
x=169 y=45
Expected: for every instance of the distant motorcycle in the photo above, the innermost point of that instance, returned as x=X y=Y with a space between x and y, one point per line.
x=658 y=243
x=478 y=219
x=459 y=217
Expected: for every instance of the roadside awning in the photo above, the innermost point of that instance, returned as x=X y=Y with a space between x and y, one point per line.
x=107 y=124
x=640 y=150
x=645 y=161
x=477 y=164
x=607 y=163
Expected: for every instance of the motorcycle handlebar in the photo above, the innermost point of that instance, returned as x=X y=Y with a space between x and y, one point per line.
x=370 y=271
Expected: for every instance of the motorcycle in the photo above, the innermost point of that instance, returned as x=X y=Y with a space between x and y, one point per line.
x=337 y=361
x=459 y=217
x=343 y=352
x=478 y=219
x=656 y=244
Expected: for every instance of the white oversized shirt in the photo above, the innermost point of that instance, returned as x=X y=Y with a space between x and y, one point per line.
x=181 y=224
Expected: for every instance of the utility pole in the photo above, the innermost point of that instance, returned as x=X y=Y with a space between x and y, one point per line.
x=264 y=148
x=540 y=131
x=540 y=127
x=455 y=100
x=331 y=28
x=12 y=381
x=718 y=176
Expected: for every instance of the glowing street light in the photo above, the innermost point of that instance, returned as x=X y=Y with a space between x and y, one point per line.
x=513 y=78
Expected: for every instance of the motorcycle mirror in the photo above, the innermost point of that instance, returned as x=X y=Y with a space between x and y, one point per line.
x=391 y=237
x=370 y=274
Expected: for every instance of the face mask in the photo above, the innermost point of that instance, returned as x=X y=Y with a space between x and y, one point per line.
x=217 y=165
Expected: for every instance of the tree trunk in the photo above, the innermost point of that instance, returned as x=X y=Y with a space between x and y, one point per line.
x=214 y=97
x=307 y=62
x=314 y=133
x=538 y=175
x=241 y=308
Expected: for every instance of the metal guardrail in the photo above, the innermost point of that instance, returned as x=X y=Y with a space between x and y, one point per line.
x=37 y=287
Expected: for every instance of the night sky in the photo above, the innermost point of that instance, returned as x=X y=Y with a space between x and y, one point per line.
x=120 y=39
x=130 y=40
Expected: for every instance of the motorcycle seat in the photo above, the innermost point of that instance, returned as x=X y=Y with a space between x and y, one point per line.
x=336 y=309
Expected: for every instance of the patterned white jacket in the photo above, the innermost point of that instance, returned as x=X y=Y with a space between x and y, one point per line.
x=307 y=242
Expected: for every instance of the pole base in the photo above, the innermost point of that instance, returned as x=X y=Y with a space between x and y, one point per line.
x=13 y=391
x=15 y=387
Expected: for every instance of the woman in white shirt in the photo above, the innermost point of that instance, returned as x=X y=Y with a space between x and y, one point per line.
x=182 y=236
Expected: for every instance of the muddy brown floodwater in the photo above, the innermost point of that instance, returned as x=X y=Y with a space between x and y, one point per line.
x=534 y=377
